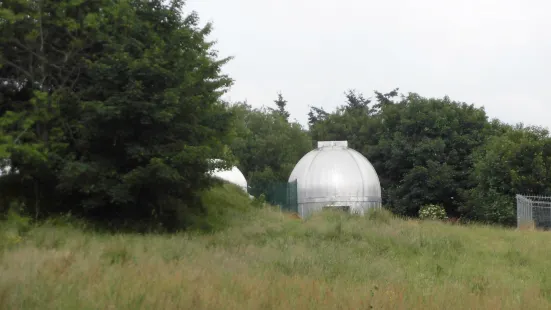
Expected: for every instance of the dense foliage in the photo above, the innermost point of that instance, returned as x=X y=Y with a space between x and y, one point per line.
x=420 y=147
x=268 y=146
x=438 y=151
x=109 y=109
x=516 y=161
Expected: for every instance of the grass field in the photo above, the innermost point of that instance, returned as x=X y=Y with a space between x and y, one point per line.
x=267 y=260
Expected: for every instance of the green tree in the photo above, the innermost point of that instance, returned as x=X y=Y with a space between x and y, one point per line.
x=43 y=47
x=315 y=115
x=353 y=121
x=267 y=147
x=420 y=147
x=281 y=107
x=516 y=162
x=123 y=131
x=424 y=151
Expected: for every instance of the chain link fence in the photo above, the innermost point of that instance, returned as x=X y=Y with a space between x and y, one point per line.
x=534 y=210
x=283 y=195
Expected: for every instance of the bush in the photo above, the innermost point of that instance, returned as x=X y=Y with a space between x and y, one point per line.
x=13 y=227
x=432 y=212
x=16 y=221
x=223 y=204
x=259 y=201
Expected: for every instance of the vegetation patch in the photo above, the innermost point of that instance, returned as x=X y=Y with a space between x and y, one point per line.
x=266 y=259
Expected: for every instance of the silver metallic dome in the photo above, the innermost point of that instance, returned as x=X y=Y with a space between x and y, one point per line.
x=233 y=175
x=335 y=176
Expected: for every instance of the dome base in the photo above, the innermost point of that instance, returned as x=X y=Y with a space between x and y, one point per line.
x=355 y=207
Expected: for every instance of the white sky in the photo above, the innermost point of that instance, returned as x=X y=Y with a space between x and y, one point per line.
x=493 y=53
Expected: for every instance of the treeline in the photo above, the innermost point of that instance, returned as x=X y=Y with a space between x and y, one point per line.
x=109 y=110
x=425 y=150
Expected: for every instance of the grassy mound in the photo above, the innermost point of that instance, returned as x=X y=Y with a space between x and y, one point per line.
x=267 y=260
x=224 y=205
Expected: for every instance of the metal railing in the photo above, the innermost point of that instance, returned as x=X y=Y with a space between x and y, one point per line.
x=534 y=210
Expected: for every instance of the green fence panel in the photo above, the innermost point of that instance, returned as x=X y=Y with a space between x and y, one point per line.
x=292 y=197
x=280 y=194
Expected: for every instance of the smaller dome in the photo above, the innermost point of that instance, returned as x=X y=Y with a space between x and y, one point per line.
x=233 y=176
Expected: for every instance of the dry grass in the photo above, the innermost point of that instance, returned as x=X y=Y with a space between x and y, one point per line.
x=272 y=261
x=527 y=226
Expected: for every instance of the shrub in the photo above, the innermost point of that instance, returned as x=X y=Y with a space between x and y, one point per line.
x=432 y=212
x=222 y=204
x=13 y=226
x=259 y=201
x=16 y=220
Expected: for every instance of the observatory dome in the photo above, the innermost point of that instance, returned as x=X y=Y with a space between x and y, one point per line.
x=233 y=175
x=335 y=176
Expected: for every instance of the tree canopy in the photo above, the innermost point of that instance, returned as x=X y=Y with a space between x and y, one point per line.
x=110 y=107
x=267 y=145
x=438 y=151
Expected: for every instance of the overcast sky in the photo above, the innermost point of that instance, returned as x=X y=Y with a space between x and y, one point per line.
x=493 y=53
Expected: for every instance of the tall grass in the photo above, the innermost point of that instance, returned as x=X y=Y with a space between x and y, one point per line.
x=264 y=259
